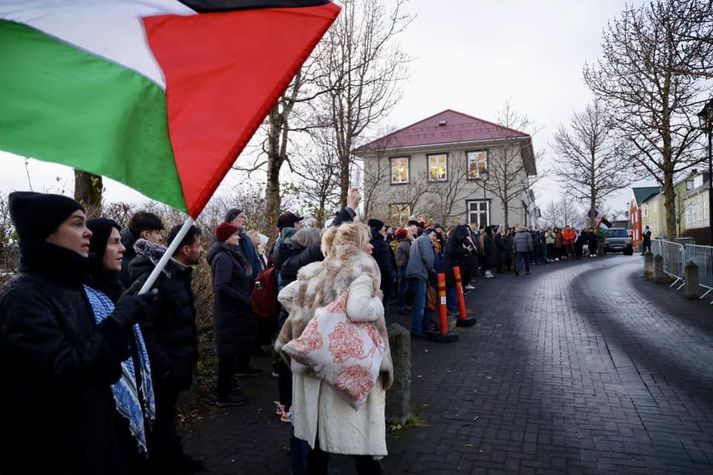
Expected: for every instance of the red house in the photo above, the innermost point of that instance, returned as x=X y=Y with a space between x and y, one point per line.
x=641 y=194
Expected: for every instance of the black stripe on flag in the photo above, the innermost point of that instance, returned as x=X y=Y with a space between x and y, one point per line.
x=206 y=6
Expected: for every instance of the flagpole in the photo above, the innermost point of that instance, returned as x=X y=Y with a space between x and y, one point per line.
x=166 y=256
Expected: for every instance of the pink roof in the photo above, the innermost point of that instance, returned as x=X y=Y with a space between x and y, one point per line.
x=448 y=126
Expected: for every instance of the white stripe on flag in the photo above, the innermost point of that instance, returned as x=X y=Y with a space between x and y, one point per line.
x=111 y=29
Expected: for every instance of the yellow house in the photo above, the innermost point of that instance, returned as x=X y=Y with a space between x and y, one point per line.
x=653 y=215
x=691 y=206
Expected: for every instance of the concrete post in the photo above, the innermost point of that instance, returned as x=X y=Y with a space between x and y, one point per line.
x=649 y=266
x=690 y=290
x=398 y=398
x=659 y=275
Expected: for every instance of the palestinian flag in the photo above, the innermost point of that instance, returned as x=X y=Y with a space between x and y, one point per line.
x=160 y=95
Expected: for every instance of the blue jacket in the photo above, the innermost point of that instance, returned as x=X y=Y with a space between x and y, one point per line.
x=523 y=241
x=421 y=259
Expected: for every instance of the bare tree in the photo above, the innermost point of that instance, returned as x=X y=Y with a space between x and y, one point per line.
x=409 y=195
x=443 y=196
x=571 y=212
x=642 y=76
x=552 y=213
x=508 y=177
x=319 y=185
x=376 y=175
x=589 y=158
x=698 y=40
x=275 y=148
x=361 y=70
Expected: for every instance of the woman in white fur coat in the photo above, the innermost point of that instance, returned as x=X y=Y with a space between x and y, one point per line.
x=322 y=416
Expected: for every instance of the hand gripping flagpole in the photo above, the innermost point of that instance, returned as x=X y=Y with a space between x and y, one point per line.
x=166 y=256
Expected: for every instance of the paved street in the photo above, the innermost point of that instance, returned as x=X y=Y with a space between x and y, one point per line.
x=579 y=367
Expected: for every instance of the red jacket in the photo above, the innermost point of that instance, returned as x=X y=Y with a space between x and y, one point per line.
x=569 y=236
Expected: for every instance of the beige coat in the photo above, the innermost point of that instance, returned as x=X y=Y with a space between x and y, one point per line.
x=318 y=409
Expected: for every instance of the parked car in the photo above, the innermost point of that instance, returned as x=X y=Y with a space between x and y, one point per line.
x=618 y=240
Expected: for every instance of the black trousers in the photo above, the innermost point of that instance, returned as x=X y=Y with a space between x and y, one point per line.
x=284 y=383
x=164 y=443
x=318 y=463
x=227 y=366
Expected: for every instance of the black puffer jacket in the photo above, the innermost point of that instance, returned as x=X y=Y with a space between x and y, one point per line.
x=299 y=257
x=170 y=329
x=56 y=367
x=384 y=258
x=234 y=322
x=455 y=253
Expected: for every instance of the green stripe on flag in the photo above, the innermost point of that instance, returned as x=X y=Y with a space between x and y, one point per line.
x=61 y=104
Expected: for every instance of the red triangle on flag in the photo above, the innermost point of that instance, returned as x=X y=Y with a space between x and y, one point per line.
x=224 y=72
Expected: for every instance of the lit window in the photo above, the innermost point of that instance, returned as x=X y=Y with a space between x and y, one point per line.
x=399 y=170
x=477 y=163
x=437 y=167
x=400 y=213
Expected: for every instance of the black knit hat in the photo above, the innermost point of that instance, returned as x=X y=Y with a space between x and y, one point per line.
x=375 y=224
x=232 y=214
x=37 y=215
x=288 y=220
x=101 y=229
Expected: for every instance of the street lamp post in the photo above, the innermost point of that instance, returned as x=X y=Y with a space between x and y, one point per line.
x=705 y=117
x=484 y=178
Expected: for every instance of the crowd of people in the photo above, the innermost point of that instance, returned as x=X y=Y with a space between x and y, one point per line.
x=93 y=370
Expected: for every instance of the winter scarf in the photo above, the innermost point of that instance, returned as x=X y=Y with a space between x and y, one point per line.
x=126 y=391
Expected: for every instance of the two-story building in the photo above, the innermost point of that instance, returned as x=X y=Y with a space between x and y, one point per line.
x=452 y=168
x=691 y=209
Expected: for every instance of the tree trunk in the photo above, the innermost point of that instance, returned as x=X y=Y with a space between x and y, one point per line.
x=273 y=200
x=668 y=189
x=88 y=190
x=506 y=216
x=592 y=211
x=670 y=199
x=343 y=180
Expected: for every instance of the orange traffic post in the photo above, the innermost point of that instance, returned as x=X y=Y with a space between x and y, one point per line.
x=443 y=335
x=464 y=319
x=443 y=308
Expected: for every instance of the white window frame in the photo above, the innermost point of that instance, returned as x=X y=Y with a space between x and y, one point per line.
x=478 y=211
x=645 y=211
x=392 y=162
x=480 y=157
x=439 y=156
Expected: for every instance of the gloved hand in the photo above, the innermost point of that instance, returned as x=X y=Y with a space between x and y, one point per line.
x=130 y=309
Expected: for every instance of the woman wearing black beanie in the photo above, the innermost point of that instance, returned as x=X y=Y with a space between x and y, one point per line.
x=57 y=364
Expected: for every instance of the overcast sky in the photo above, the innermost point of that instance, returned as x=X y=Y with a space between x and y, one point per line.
x=470 y=56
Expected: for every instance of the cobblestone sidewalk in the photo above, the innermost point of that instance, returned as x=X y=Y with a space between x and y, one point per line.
x=581 y=367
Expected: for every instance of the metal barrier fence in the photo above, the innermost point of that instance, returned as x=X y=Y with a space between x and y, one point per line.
x=702 y=256
x=673 y=260
x=676 y=256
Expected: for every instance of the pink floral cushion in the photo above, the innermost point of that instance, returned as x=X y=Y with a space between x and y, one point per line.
x=343 y=353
